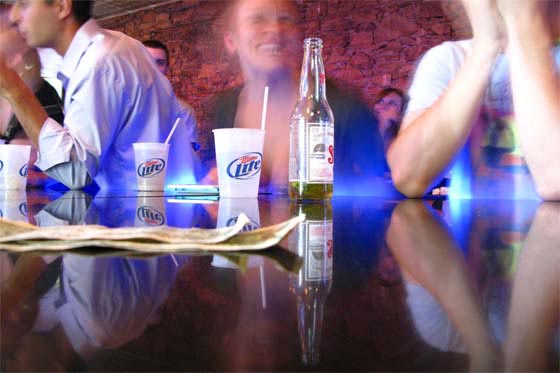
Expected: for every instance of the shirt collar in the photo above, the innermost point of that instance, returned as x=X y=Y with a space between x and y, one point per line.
x=84 y=37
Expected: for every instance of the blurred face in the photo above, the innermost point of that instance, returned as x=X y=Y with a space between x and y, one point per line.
x=388 y=109
x=19 y=56
x=160 y=58
x=37 y=22
x=265 y=35
x=12 y=46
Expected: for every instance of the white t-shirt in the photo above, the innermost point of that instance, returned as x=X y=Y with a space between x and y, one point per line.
x=492 y=164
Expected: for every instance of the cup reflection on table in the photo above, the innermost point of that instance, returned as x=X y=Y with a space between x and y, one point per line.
x=228 y=213
x=150 y=210
x=13 y=205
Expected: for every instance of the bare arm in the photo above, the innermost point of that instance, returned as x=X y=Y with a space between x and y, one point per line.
x=426 y=250
x=534 y=312
x=430 y=139
x=536 y=87
x=25 y=105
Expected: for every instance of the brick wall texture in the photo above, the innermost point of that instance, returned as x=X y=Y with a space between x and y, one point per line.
x=368 y=44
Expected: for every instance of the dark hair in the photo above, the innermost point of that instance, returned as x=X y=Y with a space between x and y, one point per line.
x=81 y=9
x=387 y=91
x=156 y=44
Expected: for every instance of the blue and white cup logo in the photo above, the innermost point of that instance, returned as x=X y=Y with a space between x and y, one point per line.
x=23 y=170
x=250 y=226
x=151 y=167
x=245 y=167
x=23 y=208
x=150 y=216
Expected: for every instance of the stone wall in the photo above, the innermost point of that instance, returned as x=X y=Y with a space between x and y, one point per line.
x=369 y=44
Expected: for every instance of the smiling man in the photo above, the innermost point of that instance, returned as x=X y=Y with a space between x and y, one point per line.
x=265 y=38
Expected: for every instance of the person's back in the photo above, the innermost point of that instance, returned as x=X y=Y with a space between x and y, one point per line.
x=142 y=107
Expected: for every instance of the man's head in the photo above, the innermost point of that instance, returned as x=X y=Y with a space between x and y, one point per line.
x=159 y=53
x=42 y=23
x=264 y=34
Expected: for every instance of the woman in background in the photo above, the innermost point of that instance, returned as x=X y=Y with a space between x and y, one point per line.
x=389 y=108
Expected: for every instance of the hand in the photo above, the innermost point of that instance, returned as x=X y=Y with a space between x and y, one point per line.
x=9 y=78
x=513 y=8
x=522 y=16
x=487 y=24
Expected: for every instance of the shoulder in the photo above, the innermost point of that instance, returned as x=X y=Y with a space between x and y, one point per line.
x=435 y=71
x=445 y=58
x=112 y=52
x=224 y=107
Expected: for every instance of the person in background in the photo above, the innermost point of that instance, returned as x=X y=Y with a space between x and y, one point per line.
x=489 y=107
x=26 y=62
x=390 y=105
x=266 y=38
x=160 y=54
x=114 y=97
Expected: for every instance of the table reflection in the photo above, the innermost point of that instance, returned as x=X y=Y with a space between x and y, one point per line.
x=459 y=285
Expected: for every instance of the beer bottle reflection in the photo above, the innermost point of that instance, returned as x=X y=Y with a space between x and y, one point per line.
x=313 y=241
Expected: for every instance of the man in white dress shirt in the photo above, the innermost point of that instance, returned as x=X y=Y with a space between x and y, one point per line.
x=114 y=97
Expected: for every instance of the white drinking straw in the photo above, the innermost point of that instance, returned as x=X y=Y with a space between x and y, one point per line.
x=265 y=106
x=172 y=130
x=263 y=284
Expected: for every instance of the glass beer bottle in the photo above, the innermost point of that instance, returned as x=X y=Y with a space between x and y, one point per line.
x=311 y=168
x=313 y=241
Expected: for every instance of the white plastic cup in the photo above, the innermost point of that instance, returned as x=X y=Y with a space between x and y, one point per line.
x=13 y=166
x=151 y=165
x=239 y=160
x=150 y=210
x=13 y=205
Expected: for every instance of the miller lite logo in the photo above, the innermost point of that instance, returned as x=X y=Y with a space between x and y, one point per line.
x=250 y=226
x=1 y=165
x=150 y=216
x=23 y=170
x=151 y=167
x=245 y=167
x=23 y=208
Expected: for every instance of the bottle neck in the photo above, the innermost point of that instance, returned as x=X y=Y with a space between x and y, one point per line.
x=312 y=83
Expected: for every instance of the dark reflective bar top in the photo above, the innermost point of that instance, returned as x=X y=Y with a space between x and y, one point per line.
x=363 y=285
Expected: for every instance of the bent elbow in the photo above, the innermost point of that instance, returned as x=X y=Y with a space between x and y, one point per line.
x=409 y=186
x=548 y=191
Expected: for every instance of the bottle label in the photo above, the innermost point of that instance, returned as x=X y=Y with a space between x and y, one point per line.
x=320 y=146
x=319 y=253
